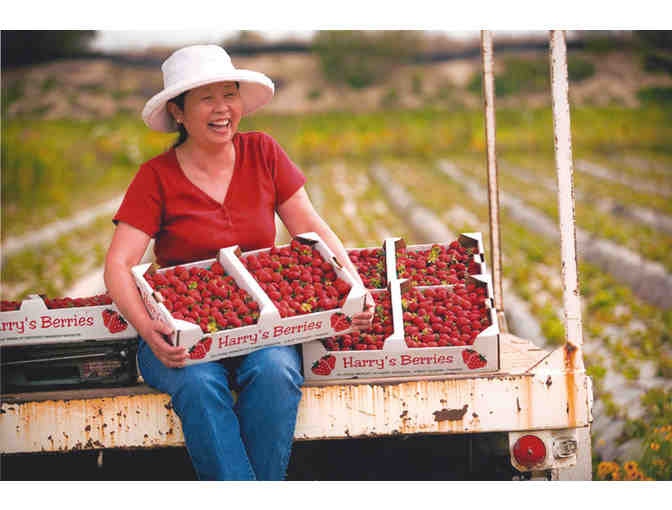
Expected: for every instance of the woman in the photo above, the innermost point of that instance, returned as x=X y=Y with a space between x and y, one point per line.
x=216 y=187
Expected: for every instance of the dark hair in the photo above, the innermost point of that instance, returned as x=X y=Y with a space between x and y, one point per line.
x=182 y=131
x=183 y=135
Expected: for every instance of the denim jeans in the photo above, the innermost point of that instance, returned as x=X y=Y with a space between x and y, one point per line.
x=248 y=438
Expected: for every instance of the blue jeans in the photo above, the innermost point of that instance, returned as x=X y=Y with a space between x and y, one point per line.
x=248 y=438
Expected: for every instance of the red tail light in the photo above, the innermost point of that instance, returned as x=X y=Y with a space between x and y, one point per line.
x=529 y=450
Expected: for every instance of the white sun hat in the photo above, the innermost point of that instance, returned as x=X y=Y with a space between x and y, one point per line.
x=198 y=65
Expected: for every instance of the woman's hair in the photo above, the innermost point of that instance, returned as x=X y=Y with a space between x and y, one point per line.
x=183 y=135
x=182 y=131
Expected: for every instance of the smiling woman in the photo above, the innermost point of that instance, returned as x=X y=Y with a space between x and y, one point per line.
x=216 y=187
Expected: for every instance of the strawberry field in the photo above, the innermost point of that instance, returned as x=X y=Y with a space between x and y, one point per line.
x=623 y=181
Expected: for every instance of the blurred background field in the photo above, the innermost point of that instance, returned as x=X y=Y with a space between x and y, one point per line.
x=349 y=101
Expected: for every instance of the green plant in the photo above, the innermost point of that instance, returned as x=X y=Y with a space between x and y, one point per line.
x=656 y=49
x=655 y=96
x=360 y=58
x=43 y=45
x=522 y=75
x=579 y=69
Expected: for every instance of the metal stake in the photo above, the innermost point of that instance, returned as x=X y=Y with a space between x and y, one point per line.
x=563 y=162
x=493 y=186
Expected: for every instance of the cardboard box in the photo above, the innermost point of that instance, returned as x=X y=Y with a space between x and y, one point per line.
x=472 y=240
x=387 y=259
x=33 y=324
x=271 y=329
x=396 y=359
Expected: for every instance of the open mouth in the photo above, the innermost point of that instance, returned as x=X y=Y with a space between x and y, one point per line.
x=220 y=124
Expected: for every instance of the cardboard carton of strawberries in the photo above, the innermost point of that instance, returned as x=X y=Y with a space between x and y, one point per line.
x=438 y=263
x=372 y=264
x=241 y=302
x=42 y=320
x=417 y=330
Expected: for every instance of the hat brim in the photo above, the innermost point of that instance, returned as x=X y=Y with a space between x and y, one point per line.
x=256 y=90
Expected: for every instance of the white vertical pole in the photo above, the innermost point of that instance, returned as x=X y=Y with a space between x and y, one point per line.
x=563 y=162
x=493 y=186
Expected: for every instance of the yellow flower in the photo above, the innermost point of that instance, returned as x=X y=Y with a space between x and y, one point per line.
x=630 y=466
x=658 y=462
x=655 y=446
x=615 y=475
x=605 y=468
x=668 y=437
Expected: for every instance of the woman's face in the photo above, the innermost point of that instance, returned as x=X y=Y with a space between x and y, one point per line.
x=211 y=112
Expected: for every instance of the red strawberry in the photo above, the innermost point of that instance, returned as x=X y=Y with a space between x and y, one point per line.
x=197 y=351
x=207 y=343
x=331 y=360
x=467 y=354
x=477 y=361
x=340 y=322
x=321 y=367
x=473 y=359
x=117 y=323
x=107 y=316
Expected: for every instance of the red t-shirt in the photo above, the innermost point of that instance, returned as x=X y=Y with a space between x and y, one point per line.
x=189 y=225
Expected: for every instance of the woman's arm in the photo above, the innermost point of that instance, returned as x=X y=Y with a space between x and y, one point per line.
x=299 y=216
x=126 y=249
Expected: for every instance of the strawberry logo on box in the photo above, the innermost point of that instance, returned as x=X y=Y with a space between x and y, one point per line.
x=324 y=365
x=473 y=359
x=340 y=321
x=201 y=348
x=114 y=322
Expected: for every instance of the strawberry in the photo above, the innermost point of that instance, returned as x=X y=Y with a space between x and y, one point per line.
x=321 y=367
x=331 y=360
x=467 y=354
x=293 y=275
x=439 y=265
x=205 y=296
x=107 y=316
x=474 y=360
x=8 y=306
x=117 y=323
x=375 y=337
x=340 y=322
x=197 y=351
x=370 y=264
x=430 y=313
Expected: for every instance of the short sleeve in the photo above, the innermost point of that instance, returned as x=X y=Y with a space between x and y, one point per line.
x=142 y=205
x=287 y=176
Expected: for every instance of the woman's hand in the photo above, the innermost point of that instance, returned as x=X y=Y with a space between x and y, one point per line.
x=153 y=334
x=362 y=321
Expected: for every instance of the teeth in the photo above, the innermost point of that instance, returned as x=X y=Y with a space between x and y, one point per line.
x=221 y=124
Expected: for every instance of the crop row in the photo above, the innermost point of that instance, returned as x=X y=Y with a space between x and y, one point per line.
x=54 y=266
x=544 y=164
x=648 y=242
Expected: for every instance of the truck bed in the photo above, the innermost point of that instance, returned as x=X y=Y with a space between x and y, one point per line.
x=515 y=398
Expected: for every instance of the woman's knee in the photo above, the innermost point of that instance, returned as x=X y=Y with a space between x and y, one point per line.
x=272 y=366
